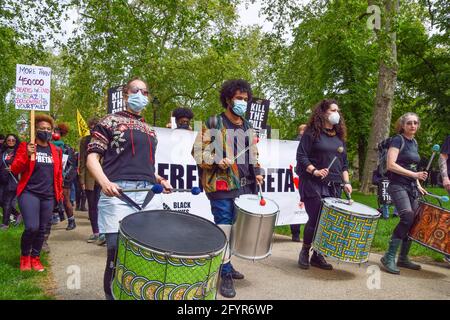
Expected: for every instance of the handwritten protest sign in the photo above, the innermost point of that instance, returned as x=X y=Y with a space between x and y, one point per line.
x=32 y=87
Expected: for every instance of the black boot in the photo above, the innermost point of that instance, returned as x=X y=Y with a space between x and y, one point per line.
x=317 y=260
x=236 y=274
x=303 y=258
x=403 y=260
x=388 y=260
x=227 y=286
x=71 y=225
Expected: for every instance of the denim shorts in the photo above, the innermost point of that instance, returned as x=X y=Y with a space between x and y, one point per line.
x=111 y=210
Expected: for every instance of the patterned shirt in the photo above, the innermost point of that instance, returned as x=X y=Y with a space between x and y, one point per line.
x=127 y=145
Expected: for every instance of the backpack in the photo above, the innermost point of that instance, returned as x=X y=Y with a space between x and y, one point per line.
x=383 y=147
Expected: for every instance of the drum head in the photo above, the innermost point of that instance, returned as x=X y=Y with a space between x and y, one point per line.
x=355 y=208
x=250 y=203
x=173 y=232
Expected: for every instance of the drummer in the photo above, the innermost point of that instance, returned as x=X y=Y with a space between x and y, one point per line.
x=127 y=145
x=444 y=168
x=223 y=179
x=323 y=140
x=404 y=189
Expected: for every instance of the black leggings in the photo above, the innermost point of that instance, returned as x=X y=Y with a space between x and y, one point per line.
x=36 y=213
x=405 y=201
x=111 y=251
x=92 y=198
x=8 y=205
x=312 y=207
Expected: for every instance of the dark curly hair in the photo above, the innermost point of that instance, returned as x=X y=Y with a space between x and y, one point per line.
x=4 y=146
x=316 y=122
x=230 y=87
x=63 y=128
x=182 y=113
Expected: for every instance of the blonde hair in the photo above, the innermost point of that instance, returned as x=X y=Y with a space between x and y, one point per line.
x=402 y=121
x=301 y=128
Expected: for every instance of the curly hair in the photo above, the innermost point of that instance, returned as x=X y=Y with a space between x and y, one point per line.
x=4 y=146
x=44 y=118
x=230 y=87
x=63 y=128
x=183 y=113
x=399 y=124
x=317 y=120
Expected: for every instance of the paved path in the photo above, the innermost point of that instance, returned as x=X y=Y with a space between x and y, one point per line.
x=276 y=277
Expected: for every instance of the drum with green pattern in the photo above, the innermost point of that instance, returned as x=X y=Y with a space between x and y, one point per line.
x=166 y=255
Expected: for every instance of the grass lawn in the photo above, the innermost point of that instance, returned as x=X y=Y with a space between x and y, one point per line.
x=16 y=285
x=385 y=227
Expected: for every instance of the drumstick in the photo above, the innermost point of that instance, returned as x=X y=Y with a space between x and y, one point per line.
x=340 y=150
x=441 y=198
x=349 y=198
x=435 y=149
x=157 y=188
x=262 y=201
x=255 y=141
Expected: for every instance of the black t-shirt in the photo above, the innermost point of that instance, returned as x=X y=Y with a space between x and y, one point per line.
x=408 y=158
x=446 y=150
x=241 y=141
x=41 y=180
x=128 y=147
x=320 y=152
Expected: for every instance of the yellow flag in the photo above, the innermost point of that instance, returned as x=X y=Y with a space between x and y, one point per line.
x=83 y=129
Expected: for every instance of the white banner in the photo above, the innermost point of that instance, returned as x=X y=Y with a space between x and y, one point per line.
x=33 y=87
x=175 y=162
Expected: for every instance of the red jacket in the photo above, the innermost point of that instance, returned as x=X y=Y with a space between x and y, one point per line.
x=23 y=165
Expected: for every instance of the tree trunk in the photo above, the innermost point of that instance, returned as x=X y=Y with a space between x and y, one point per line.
x=387 y=78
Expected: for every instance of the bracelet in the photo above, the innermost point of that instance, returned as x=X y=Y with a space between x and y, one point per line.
x=314 y=170
x=347 y=182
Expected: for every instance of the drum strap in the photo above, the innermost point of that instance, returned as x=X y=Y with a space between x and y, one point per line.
x=226 y=228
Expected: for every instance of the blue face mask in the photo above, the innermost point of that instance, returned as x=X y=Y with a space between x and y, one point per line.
x=137 y=102
x=239 y=107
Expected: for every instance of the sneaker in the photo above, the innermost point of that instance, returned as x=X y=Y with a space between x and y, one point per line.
x=92 y=238
x=236 y=274
x=227 y=286
x=101 y=240
x=55 y=219
x=71 y=224
x=19 y=220
x=25 y=263
x=36 y=264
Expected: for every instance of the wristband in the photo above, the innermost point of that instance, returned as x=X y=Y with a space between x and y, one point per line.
x=312 y=172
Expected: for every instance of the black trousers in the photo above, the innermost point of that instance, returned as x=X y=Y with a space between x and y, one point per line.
x=406 y=202
x=8 y=205
x=92 y=199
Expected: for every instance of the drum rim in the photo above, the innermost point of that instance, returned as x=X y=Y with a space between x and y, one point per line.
x=427 y=245
x=433 y=205
x=352 y=213
x=172 y=254
x=259 y=214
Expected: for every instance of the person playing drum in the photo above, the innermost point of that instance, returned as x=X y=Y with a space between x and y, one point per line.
x=404 y=189
x=222 y=178
x=322 y=142
x=127 y=145
x=444 y=168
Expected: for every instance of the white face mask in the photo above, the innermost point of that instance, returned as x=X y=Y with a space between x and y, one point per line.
x=334 y=118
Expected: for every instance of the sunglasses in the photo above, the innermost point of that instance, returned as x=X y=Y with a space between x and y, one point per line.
x=135 y=90
x=410 y=123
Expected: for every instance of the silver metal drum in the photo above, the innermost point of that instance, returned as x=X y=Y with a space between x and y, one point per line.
x=252 y=232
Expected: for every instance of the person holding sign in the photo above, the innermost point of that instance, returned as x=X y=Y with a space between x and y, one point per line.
x=323 y=167
x=40 y=169
x=127 y=145
x=404 y=188
x=222 y=178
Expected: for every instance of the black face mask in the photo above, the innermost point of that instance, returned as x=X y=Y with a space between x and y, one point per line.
x=43 y=135
x=183 y=126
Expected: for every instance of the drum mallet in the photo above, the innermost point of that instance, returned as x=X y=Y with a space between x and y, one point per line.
x=262 y=201
x=157 y=188
x=435 y=149
x=441 y=198
x=340 y=150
